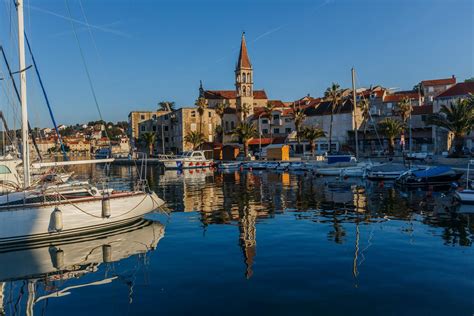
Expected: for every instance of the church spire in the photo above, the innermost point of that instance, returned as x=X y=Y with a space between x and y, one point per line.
x=244 y=60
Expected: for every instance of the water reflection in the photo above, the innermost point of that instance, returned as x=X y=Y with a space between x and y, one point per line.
x=31 y=276
x=246 y=198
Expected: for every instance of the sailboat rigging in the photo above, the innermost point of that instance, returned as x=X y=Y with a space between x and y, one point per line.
x=40 y=212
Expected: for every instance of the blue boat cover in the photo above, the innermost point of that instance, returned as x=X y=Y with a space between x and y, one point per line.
x=431 y=172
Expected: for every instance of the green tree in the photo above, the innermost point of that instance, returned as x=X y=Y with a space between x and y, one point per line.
x=220 y=110
x=298 y=117
x=245 y=131
x=334 y=95
x=311 y=134
x=194 y=138
x=458 y=118
x=166 y=106
x=269 y=108
x=201 y=108
x=149 y=139
x=391 y=128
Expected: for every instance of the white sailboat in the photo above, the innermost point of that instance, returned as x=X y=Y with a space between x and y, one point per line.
x=42 y=212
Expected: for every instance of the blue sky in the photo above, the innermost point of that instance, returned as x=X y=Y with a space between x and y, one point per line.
x=141 y=52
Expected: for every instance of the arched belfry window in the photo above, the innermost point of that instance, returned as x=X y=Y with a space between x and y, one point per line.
x=244 y=92
x=244 y=77
x=249 y=76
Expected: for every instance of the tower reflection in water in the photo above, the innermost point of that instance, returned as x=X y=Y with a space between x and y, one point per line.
x=343 y=205
x=41 y=272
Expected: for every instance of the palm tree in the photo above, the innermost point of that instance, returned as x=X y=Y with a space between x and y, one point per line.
x=364 y=106
x=166 y=106
x=149 y=140
x=333 y=94
x=312 y=134
x=194 y=138
x=201 y=107
x=218 y=130
x=245 y=110
x=269 y=108
x=391 y=128
x=458 y=118
x=404 y=109
x=298 y=116
x=245 y=131
x=220 y=109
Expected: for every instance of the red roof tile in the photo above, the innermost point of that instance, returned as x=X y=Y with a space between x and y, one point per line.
x=397 y=97
x=231 y=94
x=439 y=82
x=460 y=89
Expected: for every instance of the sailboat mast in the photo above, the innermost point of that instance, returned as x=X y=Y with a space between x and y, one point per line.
x=354 y=101
x=24 y=108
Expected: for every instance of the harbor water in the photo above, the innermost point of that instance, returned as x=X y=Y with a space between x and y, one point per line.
x=257 y=243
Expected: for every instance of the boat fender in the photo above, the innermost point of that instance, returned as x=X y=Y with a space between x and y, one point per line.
x=57 y=220
x=107 y=253
x=57 y=257
x=106 y=206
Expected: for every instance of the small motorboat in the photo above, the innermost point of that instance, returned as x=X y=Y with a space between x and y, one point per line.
x=440 y=176
x=386 y=172
x=357 y=172
x=189 y=160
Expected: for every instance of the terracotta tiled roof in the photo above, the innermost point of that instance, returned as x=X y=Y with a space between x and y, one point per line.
x=231 y=94
x=397 y=97
x=460 y=89
x=439 y=82
x=325 y=108
x=256 y=141
x=287 y=112
x=277 y=103
x=244 y=60
x=267 y=140
x=422 y=110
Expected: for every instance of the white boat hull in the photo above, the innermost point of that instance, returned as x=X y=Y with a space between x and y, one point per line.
x=24 y=223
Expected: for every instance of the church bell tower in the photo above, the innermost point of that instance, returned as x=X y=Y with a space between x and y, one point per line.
x=244 y=79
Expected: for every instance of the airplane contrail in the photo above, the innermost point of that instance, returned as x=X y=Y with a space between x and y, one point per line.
x=100 y=28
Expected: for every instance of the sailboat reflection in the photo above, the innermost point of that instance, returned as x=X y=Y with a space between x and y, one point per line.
x=46 y=268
